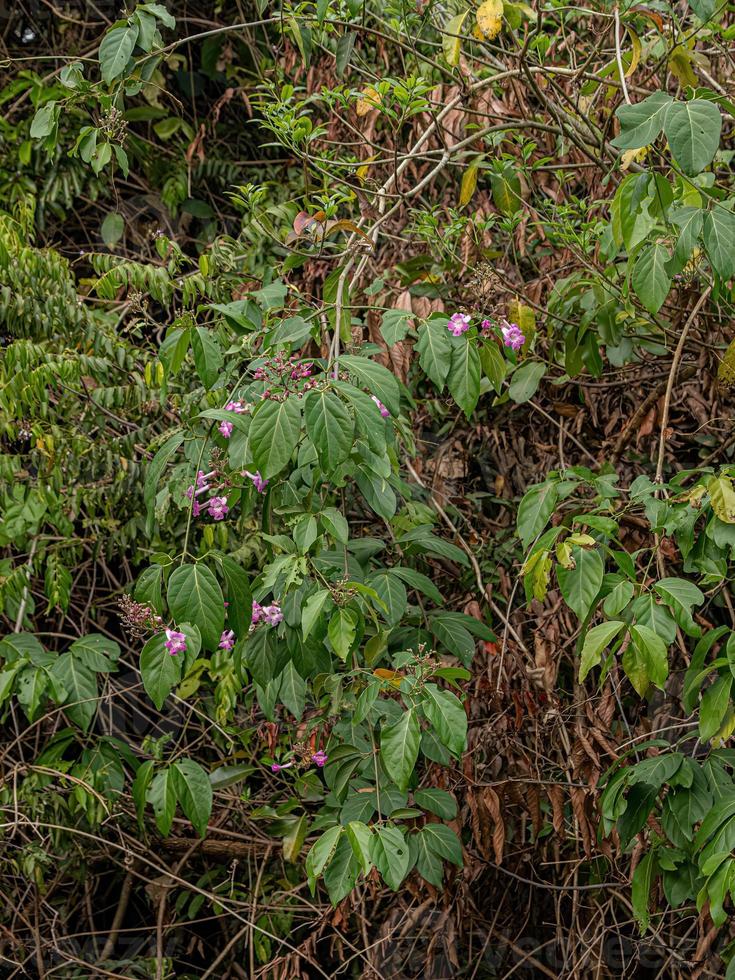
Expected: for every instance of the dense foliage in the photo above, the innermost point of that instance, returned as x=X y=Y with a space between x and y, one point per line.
x=367 y=490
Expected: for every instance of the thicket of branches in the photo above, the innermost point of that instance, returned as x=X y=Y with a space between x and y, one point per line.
x=367 y=489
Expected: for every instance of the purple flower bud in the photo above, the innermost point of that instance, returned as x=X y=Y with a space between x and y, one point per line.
x=319 y=758
x=381 y=407
x=226 y=429
x=227 y=640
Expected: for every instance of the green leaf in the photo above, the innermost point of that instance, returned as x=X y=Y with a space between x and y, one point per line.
x=95 y=651
x=399 y=747
x=153 y=475
x=322 y=851
x=580 y=585
x=238 y=595
x=292 y=690
x=139 y=789
x=650 y=279
x=341 y=631
x=80 y=683
x=645 y=661
x=377 y=379
x=419 y=582
x=330 y=427
x=641 y=123
x=525 y=380
x=719 y=240
x=44 y=121
x=344 y=51
x=194 y=596
x=390 y=854
x=464 y=375
x=436 y=801
x=392 y=593
x=336 y=524
x=112 y=228
x=435 y=351
x=443 y=842
x=428 y=864
x=643 y=877
x=115 y=51
x=312 y=610
x=162 y=797
x=451 y=41
x=446 y=715
x=194 y=792
x=681 y=595
x=360 y=837
x=494 y=365
x=693 y=131
x=454 y=636
x=208 y=357
x=160 y=671
x=506 y=189
x=274 y=434
x=341 y=874
x=594 y=643
x=534 y=511
x=395 y=326
x=714 y=705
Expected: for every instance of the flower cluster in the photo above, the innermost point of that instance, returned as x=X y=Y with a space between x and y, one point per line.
x=284 y=376
x=227 y=640
x=458 y=324
x=271 y=615
x=239 y=408
x=319 y=759
x=513 y=336
x=138 y=617
x=175 y=642
x=216 y=506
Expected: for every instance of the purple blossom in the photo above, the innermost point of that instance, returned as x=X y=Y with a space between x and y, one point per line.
x=218 y=507
x=227 y=640
x=258 y=482
x=381 y=407
x=277 y=768
x=319 y=758
x=513 y=336
x=226 y=429
x=175 y=642
x=196 y=508
x=458 y=324
x=236 y=406
x=271 y=615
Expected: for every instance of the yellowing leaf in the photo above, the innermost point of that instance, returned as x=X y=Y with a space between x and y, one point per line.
x=367 y=101
x=451 y=42
x=490 y=18
x=722 y=498
x=636 y=56
x=630 y=156
x=680 y=66
x=726 y=370
x=525 y=317
x=469 y=183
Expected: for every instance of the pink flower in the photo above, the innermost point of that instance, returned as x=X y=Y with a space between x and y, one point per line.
x=319 y=758
x=257 y=612
x=458 y=324
x=512 y=335
x=175 y=642
x=381 y=407
x=196 y=508
x=236 y=407
x=258 y=482
x=277 y=768
x=218 y=507
x=227 y=640
x=226 y=429
x=272 y=615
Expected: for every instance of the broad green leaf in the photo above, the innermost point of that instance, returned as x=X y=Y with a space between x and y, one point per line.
x=645 y=660
x=162 y=797
x=446 y=715
x=294 y=839
x=436 y=801
x=399 y=747
x=336 y=524
x=377 y=379
x=159 y=670
x=194 y=792
x=341 y=631
x=322 y=851
x=419 y=582
x=44 y=121
x=594 y=643
x=494 y=365
x=237 y=595
x=534 y=511
x=464 y=375
x=112 y=228
x=390 y=854
x=274 y=434
x=643 y=877
x=682 y=595
x=641 y=123
x=312 y=610
x=341 y=874
x=719 y=240
x=139 y=788
x=31 y=686
x=208 y=357
x=194 y=596
x=80 y=683
x=693 y=131
x=580 y=585
x=715 y=702
x=722 y=498
x=454 y=636
x=392 y=592
x=443 y=842
x=435 y=351
x=330 y=427
x=360 y=837
x=525 y=380
x=115 y=51
x=97 y=652
x=292 y=690
x=650 y=279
